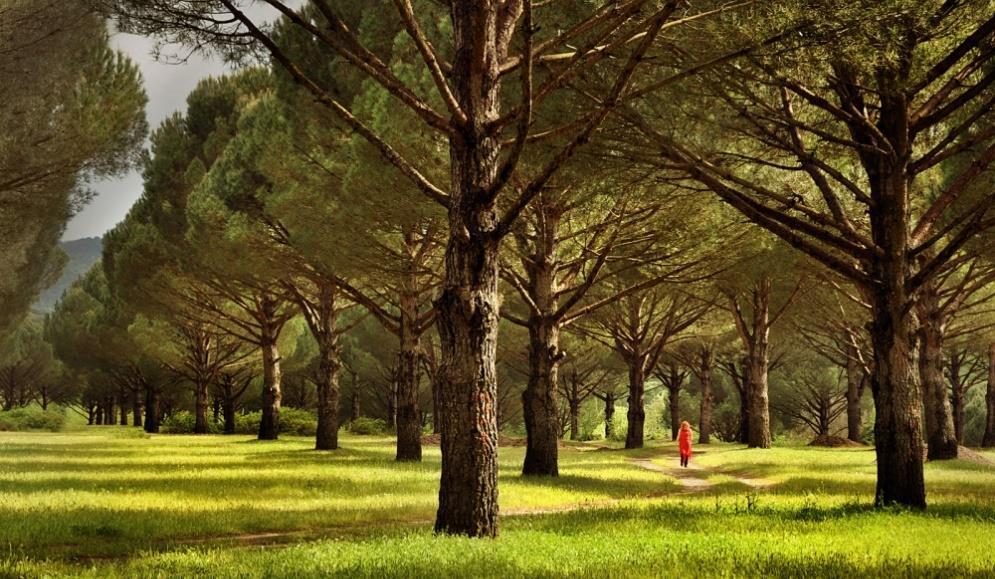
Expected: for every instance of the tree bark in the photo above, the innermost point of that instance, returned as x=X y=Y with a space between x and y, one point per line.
x=468 y=307
x=136 y=408
x=574 y=420
x=674 y=400
x=988 y=440
x=327 y=384
x=707 y=400
x=269 y=424
x=894 y=382
x=408 y=411
x=323 y=320
x=609 y=415
x=201 y=403
x=637 y=404
x=539 y=399
x=151 y=409
x=855 y=381
x=758 y=431
x=941 y=438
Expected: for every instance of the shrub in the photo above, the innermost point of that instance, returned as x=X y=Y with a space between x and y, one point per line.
x=364 y=425
x=32 y=418
x=298 y=422
x=183 y=422
x=293 y=422
x=248 y=423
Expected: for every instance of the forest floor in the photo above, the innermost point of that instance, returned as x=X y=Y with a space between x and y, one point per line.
x=110 y=501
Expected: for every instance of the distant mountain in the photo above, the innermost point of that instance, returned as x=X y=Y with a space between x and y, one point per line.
x=83 y=253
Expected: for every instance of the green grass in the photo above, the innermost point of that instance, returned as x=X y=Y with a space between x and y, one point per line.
x=106 y=502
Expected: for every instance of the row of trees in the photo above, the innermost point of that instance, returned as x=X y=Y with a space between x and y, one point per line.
x=594 y=158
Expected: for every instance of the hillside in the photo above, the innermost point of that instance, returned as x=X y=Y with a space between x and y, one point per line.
x=83 y=253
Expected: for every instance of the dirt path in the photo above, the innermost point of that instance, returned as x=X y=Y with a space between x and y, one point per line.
x=691 y=477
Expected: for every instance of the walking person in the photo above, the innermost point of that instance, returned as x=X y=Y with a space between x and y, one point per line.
x=684 y=442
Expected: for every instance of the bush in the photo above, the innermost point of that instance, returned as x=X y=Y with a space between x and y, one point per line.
x=248 y=423
x=183 y=422
x=298 y=422
x=32 y=418
x=293 y=422
x=368 y=426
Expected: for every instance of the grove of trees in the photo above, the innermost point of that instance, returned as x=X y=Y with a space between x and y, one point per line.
x=474 y=219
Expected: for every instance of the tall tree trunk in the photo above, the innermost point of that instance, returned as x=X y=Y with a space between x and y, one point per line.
x=609 y=415
x=201 y=403
x=855 y=381
x=988 y=440
x=894 y=382
x=941 y=439
x=758 y=431
x=408 y=411
x=228 y=412
x=269 y=424
x=574 y=419
x=100 y=415
x=743 y=435
x=706 y=359
x=539 y=399
x=957 y=402
x=674 y=400
x=323 y=321
x=151 y=409
x=136 y=408
x=468 y=308
x=637 y=403
x=124 y=409
x=539 y=403
x=327 y=383
x=354 y=408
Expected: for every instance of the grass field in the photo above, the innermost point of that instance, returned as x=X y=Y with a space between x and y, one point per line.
x=110 y=502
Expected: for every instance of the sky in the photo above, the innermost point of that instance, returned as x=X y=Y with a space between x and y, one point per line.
x=167 y=86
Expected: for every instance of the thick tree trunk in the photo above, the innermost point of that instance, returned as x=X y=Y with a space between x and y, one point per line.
x=100 y=415
x=674 y=401
x=758 y=431
x=201 y=403
x=228 y=412
x=855 y=381
x=468 y=312
x=327 y=383
x=744 y=406
x=124 y=410
x=897 y=429
x=136 y=408
x=957 y=402
x=269 y=424
x=988 y=440
x=408 y=411
x=91 y=415
x=941 y=439
x=609 y=415
x=707 y=400
x=539 y=399
x=637 y=403
x=894 y=382
x=151 y=410
x=574 y=420
x=354 y=409
x=323 y=321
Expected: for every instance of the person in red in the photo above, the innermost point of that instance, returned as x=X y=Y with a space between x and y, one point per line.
x=684 y=442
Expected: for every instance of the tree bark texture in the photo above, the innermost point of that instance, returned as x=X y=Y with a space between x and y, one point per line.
x=941 y=438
